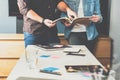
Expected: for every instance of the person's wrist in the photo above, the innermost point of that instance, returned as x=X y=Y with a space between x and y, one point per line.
x=43 y=20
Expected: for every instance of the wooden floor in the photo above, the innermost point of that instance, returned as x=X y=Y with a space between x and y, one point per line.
x=11 y=48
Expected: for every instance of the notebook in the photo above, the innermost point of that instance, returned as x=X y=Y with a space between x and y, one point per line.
x=72 y=49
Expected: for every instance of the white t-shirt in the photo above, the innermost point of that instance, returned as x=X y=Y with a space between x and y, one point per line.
x=79 y=27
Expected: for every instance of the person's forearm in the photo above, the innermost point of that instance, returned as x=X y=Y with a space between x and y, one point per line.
x=62 y=6
x=34 y=16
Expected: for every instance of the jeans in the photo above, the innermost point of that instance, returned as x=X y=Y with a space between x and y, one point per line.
x=29 y=39
x=45 y=39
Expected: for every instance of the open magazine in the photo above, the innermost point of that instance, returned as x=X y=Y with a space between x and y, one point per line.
x=83 y=20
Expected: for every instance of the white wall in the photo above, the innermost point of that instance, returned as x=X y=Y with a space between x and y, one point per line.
x=115 y=35
x=115 y=32
x=7 y=23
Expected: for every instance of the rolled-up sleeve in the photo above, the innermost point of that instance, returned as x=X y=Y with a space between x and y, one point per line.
x=97 y=9
x=23 y=6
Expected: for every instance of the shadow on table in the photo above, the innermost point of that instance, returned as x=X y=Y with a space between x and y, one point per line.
x=30 y=78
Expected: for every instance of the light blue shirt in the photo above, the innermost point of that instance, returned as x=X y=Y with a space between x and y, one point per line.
x=89 y=7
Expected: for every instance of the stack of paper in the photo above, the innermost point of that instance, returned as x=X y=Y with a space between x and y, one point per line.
x=74 y=49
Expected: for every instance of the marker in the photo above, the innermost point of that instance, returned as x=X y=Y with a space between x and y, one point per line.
x=49 y=72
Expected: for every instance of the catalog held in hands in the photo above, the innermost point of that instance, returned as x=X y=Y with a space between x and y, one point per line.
x=83 y=20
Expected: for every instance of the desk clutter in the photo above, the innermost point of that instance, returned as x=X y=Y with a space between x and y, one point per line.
x=87 y=69
x=71 y=50
x=52 y=46
x=51 y=70
x=59 y=64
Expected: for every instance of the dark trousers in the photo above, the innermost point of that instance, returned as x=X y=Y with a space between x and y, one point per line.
x=80 y=38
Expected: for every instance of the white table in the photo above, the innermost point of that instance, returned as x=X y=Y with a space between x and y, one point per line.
x=58 y=59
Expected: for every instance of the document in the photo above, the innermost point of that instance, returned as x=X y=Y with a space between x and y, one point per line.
x=83 y=20
x=62 y=18
x=52 y=46
x=74 y=49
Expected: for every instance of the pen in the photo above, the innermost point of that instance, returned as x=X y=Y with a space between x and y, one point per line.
x=75 y=54
x=49 y=72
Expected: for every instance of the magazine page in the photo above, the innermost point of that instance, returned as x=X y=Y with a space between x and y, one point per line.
x=83 y=20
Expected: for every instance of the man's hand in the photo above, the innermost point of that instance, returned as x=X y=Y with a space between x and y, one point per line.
x=71 y=14
x=67 y=24
x=95 y=18
x=49 y=23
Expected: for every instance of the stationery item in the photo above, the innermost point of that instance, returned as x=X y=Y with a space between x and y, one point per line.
x=52 y=46
x=76 y=54
x=55 y=57
x=45 y=56
x=50 y=70
x=73 y=49
x=55 y=73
